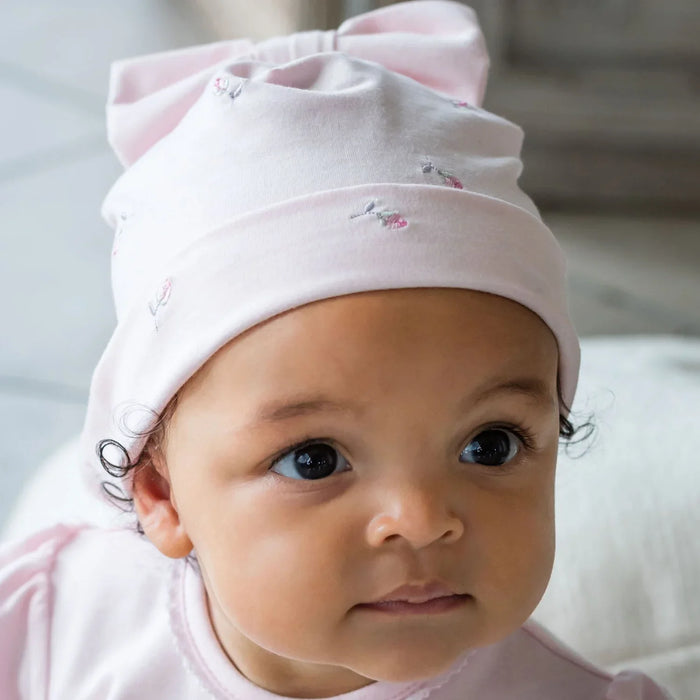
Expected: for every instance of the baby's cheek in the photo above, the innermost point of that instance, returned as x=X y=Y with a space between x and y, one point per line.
x=274 y=613
x=513 y=540
x=269 y=586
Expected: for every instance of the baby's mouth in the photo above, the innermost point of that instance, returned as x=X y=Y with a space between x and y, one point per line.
x=431 y=597
x=434 y=605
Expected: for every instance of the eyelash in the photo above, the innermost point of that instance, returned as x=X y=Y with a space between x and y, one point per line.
x=309 y=440
x=524 y=435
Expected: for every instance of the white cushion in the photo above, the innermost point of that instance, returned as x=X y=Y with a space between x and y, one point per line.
x=625 y=590
x=58 y=492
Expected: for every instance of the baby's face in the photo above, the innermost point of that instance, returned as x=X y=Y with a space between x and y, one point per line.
x=435 y=461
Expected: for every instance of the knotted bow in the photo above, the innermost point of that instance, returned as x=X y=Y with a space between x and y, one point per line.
x=435 y=42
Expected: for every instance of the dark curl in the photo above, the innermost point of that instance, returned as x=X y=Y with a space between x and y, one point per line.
x=571 y=434
x=156 y=435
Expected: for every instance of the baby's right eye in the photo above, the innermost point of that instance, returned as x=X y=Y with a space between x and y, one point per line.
x=315 y=460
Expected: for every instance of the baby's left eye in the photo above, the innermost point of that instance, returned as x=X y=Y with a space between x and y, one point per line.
x=492 y=448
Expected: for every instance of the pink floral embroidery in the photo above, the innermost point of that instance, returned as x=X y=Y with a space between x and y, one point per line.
x=462 y=103
x=390 y=219
x=161 y=299
x=221 y=86
x=447 y=178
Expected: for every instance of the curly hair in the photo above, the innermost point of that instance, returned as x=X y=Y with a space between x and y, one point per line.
x=157 y=436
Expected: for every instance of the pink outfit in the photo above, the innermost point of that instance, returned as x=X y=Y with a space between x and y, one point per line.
x=92 y=614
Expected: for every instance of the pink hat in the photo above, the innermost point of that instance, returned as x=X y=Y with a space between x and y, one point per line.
x=263 y=176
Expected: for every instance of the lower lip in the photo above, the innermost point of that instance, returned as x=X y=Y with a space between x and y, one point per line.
x=401 y=607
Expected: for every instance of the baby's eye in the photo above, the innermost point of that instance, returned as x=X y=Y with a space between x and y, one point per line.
x=492 y=448
x=311 y=461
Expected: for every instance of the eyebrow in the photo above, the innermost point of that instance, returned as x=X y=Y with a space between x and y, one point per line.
x=277 y=411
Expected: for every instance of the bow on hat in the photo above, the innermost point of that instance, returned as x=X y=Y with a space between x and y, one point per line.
x=436 y=42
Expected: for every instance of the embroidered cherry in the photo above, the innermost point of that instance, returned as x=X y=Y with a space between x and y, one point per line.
x=388 y=218
x=220 y=86
x=447 y=177
x=391 y=219
x=161 y=299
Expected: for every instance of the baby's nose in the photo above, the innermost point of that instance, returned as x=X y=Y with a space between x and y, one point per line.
x=417 y=511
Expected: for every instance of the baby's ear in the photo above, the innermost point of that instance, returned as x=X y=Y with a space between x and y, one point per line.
x=155 y=508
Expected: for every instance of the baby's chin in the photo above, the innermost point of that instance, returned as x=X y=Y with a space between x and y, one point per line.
x=409 y=662
x=417 y=657
x=406 y=669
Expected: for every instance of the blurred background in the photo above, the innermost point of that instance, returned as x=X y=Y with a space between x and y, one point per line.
x=607 y=91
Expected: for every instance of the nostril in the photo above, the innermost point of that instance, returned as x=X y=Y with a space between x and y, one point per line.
x=418 y=529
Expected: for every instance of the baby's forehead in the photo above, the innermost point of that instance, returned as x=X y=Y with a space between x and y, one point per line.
x=382 y=344
x=379 y=313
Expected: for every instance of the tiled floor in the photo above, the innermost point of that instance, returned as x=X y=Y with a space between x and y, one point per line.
x=627 y=276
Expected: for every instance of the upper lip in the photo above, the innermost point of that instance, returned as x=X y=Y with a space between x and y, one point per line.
x=417 y=593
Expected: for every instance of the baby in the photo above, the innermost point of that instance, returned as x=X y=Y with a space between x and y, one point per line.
x=334 y=397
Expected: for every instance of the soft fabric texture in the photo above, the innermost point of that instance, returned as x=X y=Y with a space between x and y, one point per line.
x=261 y=177
x=75 y=622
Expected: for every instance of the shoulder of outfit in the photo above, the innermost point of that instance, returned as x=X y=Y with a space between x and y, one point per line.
x=84 y=615
x=90 y=613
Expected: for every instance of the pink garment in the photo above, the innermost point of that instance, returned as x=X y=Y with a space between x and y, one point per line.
x=89 y=614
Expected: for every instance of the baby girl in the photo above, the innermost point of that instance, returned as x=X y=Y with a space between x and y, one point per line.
x=334 y=397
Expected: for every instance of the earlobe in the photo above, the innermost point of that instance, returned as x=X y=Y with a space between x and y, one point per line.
x=157 y=514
